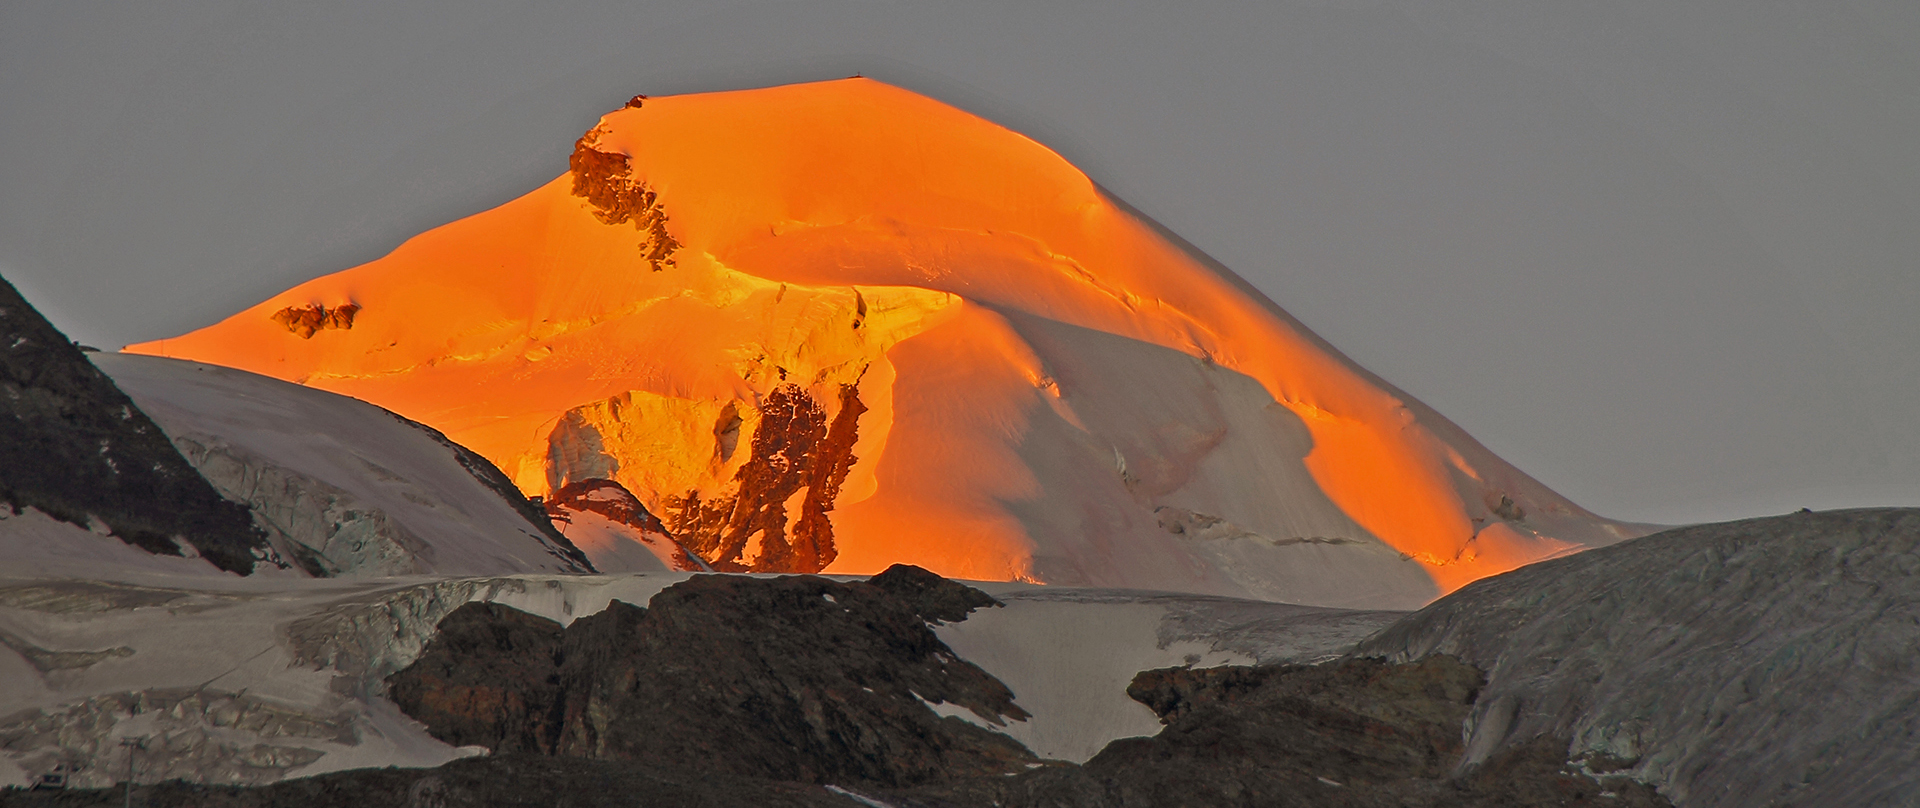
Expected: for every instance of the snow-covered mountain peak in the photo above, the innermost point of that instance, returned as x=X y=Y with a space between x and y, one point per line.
x=843 y=324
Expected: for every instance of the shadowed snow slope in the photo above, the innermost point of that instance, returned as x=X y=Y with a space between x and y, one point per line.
x=839 y=325
x=341 y=487
x=1754 y=663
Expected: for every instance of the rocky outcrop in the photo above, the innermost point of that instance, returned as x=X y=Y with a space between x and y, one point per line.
x=74 y=447
x=606 y=181
x=613 y=501
x=491 y=677
x=607 y=498
x=1360 y=732
x=1173 y=693
x=798 y=678
x=805 y=680
x=1753 y=663
x=1281 y=736
x=795 y=451
x=312 y=319
x=1356 y=721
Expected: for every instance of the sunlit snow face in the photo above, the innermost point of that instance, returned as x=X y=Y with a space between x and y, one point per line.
x=1043 y=373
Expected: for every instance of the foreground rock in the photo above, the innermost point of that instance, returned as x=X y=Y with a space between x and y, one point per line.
x=1360 y=732
x=1753 y=663
x=254 y=680
x=806 y=680
x=799 y=678
x=1716 y=663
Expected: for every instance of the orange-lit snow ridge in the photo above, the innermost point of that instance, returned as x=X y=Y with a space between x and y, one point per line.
x=1048 y=387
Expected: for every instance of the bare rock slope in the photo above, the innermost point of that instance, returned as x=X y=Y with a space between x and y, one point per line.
x=798 y=678
x=74 y=447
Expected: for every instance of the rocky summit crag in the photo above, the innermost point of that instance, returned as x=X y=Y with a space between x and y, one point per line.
x=76 y=448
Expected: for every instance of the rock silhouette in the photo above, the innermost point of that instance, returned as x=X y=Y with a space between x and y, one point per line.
x=797 y=678
x=76 y=448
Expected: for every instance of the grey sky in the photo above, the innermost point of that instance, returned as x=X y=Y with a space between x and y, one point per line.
x=1664 y=256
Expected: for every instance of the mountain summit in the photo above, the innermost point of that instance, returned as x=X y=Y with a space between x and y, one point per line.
x=836 y=326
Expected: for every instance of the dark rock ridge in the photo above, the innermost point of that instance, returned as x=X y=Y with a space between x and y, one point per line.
x=1359 y=732
x=797 y=678
x=1765 y=662
x=613 y=501
x=794 y=448
x=309 y=320
x=606 y=181
x=74 y=447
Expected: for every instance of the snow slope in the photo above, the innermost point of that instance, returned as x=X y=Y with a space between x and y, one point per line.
x=255 y=679
x=342 y=487
x=1068 y=654
x=840 y=325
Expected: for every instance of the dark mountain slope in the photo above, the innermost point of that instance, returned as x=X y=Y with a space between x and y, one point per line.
x=77 y=449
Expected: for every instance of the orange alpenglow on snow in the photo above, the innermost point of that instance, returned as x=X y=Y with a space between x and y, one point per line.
x=834 y=326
